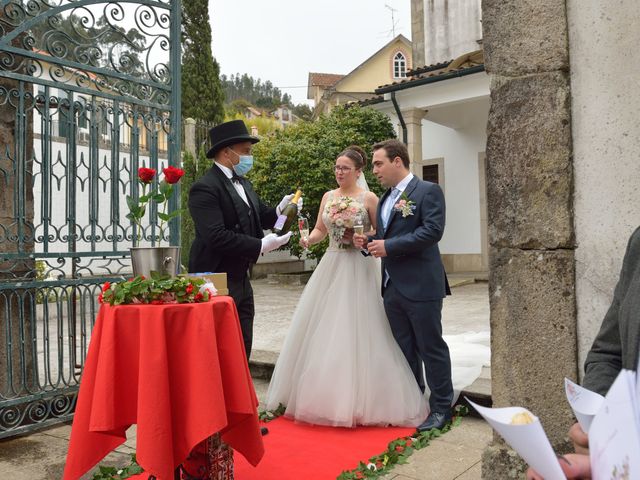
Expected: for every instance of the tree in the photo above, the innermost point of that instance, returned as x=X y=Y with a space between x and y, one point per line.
x=202 y=95
x=303 y=155
x=245 y=87
x=194 y=169
x=303 y=111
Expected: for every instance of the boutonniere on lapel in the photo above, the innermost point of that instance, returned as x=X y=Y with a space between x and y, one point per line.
x=405 y=206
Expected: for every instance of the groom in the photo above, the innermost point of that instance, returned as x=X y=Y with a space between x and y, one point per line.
x=410 y=223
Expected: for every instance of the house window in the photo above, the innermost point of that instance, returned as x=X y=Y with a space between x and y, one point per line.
x=430 y=173
x=399 y=66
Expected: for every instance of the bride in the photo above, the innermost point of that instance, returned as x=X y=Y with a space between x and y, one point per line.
x=340 y=364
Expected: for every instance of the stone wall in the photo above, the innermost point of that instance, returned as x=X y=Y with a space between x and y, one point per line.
x=605 y=68
x=530 y=210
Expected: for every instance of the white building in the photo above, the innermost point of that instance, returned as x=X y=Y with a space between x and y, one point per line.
x=440 y=111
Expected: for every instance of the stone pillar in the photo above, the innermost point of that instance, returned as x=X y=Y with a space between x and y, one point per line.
x=531 y=236
x=413 y=120
x=417 y=33
x=190 y=137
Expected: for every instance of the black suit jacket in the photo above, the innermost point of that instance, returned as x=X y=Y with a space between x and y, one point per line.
x=227 y=232
x=617 y=345
x=413 y=257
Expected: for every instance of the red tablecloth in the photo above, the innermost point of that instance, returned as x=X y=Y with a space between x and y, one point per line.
x=178 y=371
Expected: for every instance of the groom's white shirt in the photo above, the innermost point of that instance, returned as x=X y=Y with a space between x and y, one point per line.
x=388 y=202
x=385 y=211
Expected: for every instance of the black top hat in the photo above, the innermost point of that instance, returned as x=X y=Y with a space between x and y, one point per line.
x=229 y=133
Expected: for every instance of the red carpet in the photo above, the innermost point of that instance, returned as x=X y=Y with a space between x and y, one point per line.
x=300 y=451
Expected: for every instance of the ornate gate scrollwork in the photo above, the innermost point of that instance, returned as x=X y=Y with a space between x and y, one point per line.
x=89 y=92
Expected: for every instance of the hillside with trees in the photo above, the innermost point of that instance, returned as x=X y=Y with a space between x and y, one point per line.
x=243 y=90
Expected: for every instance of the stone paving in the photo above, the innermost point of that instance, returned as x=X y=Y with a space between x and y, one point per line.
x=455 y=455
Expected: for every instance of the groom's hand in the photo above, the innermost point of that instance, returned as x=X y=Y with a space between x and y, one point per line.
x=376 y=248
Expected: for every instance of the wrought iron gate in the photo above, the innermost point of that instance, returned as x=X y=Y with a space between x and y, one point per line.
x=89 y=92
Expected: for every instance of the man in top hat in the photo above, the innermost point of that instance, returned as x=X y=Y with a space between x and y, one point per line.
x=229 y=218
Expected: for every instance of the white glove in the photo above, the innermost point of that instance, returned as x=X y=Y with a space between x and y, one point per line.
x=273 y=241
x=285 y=201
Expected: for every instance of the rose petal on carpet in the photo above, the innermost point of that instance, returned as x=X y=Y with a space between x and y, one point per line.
x=313 y=452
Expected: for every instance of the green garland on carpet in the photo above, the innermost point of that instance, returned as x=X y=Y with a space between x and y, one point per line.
x=400 y=449
x=267 y=415
x=115 y=473
x=397 y=451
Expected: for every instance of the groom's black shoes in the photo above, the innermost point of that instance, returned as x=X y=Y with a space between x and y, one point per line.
x=434 y=420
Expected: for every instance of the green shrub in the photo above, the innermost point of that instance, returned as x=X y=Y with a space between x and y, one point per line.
x=193 y=170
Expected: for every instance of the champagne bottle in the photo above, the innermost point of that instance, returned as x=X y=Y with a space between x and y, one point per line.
x=288 y=215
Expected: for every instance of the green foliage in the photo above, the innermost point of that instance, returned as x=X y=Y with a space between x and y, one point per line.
x=303 y=155
x=114 y=473
x=193 y=170
x=399 y=450
x=267 y=415
x=265 y=125
x=202 y=94
x=254 y=91
x=158 y=289
x=303 y=111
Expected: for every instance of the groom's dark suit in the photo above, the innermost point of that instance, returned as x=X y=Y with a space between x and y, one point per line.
x=228 y=233
x=416 y=285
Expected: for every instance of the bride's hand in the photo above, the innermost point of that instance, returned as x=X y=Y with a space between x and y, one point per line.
x=304 y=242
x=347 y=237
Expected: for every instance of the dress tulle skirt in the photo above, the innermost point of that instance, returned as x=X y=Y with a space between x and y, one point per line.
x=340 y=364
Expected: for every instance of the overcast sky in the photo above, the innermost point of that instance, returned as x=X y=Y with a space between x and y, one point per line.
x=284 y=40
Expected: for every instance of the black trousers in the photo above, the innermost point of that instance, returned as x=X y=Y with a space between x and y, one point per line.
x=242 y=293
x=417 y=327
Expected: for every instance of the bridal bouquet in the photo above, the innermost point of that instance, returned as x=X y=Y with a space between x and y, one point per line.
x=342 y=212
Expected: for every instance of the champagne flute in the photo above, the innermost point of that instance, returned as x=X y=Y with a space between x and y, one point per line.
x=358 y=225
x=303 y=226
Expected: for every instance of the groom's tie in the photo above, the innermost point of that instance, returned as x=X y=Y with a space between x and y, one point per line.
x=388 y=206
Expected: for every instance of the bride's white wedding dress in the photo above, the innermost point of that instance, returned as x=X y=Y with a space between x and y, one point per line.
x=340 y=364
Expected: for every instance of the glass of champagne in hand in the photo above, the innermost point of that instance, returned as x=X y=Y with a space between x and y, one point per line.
x=303 y=226
x=358 y=225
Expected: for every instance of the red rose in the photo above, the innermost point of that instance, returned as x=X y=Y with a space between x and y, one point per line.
x=399 y=448
x=157 y=302
x=146 y=174
x=172 y=174
x=189 y=288
x=106 y=286
x=409 y=443
x=198 y=297
x=100 y=298
x=142 y=277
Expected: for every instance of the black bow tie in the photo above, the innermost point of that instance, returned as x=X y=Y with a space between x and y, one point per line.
x=235 y=177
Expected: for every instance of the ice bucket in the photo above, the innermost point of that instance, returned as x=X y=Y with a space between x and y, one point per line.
x=163 y=260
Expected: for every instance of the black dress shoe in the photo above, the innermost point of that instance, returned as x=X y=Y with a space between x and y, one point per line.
x=434 y=420
x=264 y=431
